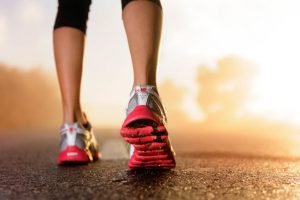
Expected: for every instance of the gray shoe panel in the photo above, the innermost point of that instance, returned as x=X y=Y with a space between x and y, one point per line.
x=83 y=140
x=149 y=98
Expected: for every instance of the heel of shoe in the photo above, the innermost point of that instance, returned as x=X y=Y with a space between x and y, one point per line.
x=141 y=112
x=73 y=155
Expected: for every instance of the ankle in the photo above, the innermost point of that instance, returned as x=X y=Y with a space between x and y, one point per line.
x=144 y=83
x=72 y=116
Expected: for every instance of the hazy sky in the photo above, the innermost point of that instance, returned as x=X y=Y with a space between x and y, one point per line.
x=265 y=32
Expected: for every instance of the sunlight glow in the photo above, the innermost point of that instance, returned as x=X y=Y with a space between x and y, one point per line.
x=197 y=33
x=267 y=34
x=3 y=29
x=276 y=93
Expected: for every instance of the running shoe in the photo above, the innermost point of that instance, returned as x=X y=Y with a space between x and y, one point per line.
x=145 y=129
x=78 y=144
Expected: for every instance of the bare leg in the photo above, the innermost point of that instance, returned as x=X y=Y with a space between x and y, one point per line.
x=68 y=52
x=143 y=23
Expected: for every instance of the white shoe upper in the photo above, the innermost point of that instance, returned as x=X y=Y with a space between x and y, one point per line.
x=76 y=135
x=146 y=95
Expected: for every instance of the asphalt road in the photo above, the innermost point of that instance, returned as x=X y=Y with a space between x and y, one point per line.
x=28 y=171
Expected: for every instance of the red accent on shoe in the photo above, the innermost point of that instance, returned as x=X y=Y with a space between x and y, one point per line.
x=150 y=158
x=151 y=142
x=73 y=154
x=151 y=162
x=150 y=146
x=150 y=153
x=160 y=158
x=139 y=113
x=145 y=139
x=141 y=131
x=158 y=163
x=162 y=166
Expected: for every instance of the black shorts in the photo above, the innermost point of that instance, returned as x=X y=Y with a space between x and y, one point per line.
x=74 y=13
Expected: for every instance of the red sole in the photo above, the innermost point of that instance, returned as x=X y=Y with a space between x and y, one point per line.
x=151 y=143
x=75 y=155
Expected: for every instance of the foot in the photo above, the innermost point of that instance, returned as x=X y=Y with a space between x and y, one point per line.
x=145 y=129
x=78 y=144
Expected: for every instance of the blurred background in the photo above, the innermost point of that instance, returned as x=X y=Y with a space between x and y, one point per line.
x=228 y=71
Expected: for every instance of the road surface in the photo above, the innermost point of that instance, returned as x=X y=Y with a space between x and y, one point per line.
x=28 y=171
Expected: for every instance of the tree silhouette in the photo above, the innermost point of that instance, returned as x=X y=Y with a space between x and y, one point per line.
x=172 y=96
x=224 y=91
x=28 y=99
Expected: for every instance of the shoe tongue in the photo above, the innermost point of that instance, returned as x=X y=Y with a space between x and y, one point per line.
x=142 y=88
x=70 y=125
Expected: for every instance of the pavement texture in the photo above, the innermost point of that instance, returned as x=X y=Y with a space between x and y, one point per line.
x=28 y=171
